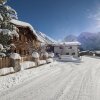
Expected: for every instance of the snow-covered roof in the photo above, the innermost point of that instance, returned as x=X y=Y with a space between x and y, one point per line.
x=21 y=23
x=97 y=52
x=40 y=36
x=72 y=43
x=68 y=43
x=24 y=24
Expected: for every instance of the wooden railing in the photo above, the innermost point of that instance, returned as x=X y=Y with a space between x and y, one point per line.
x=5 y=62
x=26 y=58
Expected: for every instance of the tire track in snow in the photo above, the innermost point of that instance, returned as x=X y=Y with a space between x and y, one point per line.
x=68 y=81
x=86 y=84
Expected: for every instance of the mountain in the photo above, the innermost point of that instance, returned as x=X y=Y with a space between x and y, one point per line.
x=70 y=38
x=45 y=38
x=88 y=40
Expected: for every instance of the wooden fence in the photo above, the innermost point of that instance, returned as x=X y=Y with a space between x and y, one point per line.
x=5 y=62
x=26 y=58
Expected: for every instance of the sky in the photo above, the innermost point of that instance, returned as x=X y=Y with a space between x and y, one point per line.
x=59 y=18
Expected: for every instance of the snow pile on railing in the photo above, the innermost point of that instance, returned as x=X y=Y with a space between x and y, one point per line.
x=15 y=56
x=35 y=55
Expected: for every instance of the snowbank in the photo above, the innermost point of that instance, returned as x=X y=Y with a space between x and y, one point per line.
x=5 y=71
x=42 y=62
x=67 y=58
x=22 y=76
x=15 y=56
x=27 y=64
x=51 y=55
x=50 y=60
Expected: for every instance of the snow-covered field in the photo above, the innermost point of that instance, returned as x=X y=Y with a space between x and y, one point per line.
x=55 y=81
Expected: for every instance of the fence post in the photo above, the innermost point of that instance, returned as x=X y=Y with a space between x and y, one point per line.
x=15 y=60
x=0 y=63
x=45 y=56
x=35 y=57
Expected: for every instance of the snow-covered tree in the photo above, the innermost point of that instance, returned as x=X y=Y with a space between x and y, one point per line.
x=7 y=29
x=3 y=1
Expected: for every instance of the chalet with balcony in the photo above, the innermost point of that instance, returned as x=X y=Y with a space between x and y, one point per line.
x=28 y=40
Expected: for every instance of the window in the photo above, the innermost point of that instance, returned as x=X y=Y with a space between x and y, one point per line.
x=24 y=52
x=60 y=47
x=25 y=38
x=20 y=51
x=70 y=47
x=15 y=38
x=14 y=51
x=73 y=53
x=19 y=37
x=67 y=53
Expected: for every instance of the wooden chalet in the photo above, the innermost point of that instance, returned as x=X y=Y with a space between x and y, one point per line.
x=27 y=41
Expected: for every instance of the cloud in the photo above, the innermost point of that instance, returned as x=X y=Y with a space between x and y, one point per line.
x=94 y=18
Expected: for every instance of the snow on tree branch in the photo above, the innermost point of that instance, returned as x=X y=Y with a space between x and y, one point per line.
x=3 y=2
x=7 y=29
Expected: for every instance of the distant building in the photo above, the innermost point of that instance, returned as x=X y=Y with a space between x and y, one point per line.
x=67 y=48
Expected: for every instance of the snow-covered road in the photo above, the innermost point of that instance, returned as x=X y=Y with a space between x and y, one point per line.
x=64 y=81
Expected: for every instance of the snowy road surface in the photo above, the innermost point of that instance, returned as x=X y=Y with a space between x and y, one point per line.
x=65 y=81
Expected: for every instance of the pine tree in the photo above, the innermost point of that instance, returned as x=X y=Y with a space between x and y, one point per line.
x=3 y=1
x=7 y=30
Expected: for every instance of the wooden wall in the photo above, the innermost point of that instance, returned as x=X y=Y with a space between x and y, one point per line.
x=26 y=42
